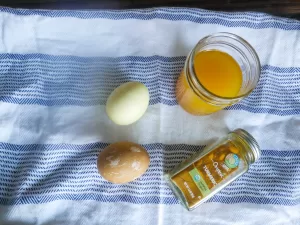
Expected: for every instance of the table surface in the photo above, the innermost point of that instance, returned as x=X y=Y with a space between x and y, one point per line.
x=287 y=8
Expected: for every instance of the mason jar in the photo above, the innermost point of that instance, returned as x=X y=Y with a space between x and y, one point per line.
x=191 y=93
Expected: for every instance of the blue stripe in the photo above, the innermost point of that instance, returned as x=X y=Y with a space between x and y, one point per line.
x=81 y=87
x=255 y=200
x=133 y=59
x=58 y=149
x=38 y=173
x=45 y=80
x=141 y=200
x=238 y=20
x=143 y=59
x=241 y=15
x=88 y=196
x=56 y=59
x=265 y=110
x=250 y=15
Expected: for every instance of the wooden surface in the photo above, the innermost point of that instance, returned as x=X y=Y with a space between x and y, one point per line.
x=288 y=8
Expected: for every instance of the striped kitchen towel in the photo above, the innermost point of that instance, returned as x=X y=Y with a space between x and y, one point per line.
x=57 y=69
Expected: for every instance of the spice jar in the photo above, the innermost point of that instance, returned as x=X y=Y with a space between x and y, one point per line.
x=221 y=70
x=206 y=173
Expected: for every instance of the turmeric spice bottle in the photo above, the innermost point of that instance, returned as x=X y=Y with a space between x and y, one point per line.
x=207 y=172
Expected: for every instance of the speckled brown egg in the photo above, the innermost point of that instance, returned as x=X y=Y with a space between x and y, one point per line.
x=123 y=162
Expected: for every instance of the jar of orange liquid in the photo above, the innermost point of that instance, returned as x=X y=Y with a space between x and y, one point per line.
x=221 y=70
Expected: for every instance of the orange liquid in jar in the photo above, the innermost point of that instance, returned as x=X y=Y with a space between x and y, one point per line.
x=219 y=73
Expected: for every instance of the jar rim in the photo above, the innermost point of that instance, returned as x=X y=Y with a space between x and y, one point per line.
x=196 y=80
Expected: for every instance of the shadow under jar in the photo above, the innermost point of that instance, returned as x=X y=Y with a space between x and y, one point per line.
x=221 y=70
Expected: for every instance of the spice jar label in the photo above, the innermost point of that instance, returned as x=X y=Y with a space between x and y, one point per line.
x=232 y=160
x=200 y=182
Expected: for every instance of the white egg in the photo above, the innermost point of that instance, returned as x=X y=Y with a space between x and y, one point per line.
x=127 y=103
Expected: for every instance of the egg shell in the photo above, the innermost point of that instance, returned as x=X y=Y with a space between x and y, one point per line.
x=127 y=103
x=122 y=162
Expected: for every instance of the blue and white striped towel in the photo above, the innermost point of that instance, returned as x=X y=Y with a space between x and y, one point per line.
x=53 y=87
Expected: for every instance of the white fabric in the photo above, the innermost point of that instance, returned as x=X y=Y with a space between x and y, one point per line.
x=51 y=137
x=89 y=212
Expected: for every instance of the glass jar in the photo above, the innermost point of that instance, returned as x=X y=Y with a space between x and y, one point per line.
x=207 y=172
x=194 y=97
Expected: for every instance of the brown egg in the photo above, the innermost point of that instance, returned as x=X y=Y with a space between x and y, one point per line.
x=122 y=162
